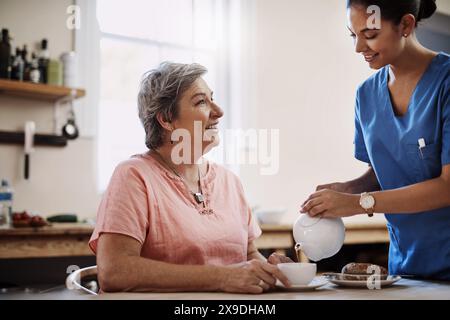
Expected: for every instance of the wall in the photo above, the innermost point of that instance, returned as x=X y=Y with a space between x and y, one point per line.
x=443 y=6
x=61 y=179
x=306 y=74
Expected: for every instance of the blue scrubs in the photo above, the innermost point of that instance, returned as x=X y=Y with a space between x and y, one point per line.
x=420 y=243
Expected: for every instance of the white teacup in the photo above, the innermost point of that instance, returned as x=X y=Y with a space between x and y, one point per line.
x=299 y=273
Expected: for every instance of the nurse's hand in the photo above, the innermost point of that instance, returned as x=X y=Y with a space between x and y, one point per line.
x=329 y=204
x=336 y=186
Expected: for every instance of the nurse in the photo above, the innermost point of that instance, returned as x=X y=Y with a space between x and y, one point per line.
x=402 y=131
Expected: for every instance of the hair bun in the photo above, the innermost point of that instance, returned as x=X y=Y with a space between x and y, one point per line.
x=427 y=9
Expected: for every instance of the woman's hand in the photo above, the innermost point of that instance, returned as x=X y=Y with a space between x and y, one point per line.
x=276 y=258
x=253 y=276
x=329 y=204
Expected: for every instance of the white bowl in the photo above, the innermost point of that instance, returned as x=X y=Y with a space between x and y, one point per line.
x=270 y=215
x=319 y=238
x=298 y=273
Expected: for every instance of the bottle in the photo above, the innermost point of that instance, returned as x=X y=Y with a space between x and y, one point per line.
x=4 y=214
x=18 y=66
x=43 y=59
x=35 y=74
x=54 y=73
x=5 y=54
x=69 y=61
x=26 y=63
x=6 y=201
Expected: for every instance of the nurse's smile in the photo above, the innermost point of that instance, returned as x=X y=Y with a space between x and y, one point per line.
x=371 y=58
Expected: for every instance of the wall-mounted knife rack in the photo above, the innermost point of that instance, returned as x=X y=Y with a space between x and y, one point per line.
x=9 y=137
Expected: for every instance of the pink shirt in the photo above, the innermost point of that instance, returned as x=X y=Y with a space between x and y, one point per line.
x=149 y=203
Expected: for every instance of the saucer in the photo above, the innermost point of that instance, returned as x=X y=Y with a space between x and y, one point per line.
x=338 y=280
x=313 y=285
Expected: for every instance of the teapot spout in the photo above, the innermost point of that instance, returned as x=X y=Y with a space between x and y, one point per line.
x=298 y=252
x=312 y=252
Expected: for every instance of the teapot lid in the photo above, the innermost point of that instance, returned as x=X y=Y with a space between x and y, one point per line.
x=307 y=221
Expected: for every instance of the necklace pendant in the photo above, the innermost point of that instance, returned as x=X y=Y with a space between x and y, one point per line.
x=199 y=197
x=206 y=212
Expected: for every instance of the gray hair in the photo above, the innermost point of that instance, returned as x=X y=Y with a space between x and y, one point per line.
x=159 y=93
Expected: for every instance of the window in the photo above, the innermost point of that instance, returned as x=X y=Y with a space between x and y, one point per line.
x=137 y=35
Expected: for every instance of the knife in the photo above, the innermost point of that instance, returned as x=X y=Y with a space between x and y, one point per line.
x=30 y=128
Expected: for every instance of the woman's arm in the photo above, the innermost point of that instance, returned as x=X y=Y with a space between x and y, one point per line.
x=253 y=253
x=121 y=268
x=424 y=196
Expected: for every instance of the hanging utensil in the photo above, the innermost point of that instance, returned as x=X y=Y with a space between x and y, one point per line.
x=70 y=129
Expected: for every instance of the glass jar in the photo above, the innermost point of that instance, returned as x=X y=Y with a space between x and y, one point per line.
x=4 y=216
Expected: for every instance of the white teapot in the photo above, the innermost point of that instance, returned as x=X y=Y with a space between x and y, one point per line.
x=319 y=238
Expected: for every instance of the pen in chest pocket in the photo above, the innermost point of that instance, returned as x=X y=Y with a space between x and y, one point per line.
x=422 y=145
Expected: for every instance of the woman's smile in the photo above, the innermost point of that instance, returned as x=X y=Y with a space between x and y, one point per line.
x=213 y=126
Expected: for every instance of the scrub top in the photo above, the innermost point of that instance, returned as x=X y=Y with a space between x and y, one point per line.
x=408 y=149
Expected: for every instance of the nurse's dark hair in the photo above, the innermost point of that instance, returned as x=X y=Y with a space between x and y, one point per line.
x=394 y=10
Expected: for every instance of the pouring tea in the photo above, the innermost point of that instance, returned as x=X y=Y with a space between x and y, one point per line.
x=318 y=238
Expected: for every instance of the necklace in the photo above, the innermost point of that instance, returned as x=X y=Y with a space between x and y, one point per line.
x=198 y=196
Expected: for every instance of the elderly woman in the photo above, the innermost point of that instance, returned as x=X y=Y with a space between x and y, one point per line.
x=169 y=225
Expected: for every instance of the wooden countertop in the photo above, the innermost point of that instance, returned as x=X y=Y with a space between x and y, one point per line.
x=71 y=239
x=357 y=231
x=56 y=240
x=53 y=229
x=82 y=228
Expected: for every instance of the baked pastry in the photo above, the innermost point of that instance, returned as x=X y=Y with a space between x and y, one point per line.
x=362 y=271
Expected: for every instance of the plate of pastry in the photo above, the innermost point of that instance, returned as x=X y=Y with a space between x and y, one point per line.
x=362 y=275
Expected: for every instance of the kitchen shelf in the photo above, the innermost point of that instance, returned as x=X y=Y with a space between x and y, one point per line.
x=38 y=90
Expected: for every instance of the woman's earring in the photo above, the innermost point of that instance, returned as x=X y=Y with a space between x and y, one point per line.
x=171 y=141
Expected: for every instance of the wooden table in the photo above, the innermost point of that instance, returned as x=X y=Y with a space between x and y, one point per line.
x=280 y=237
x=57 y=240
x=405 y=289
